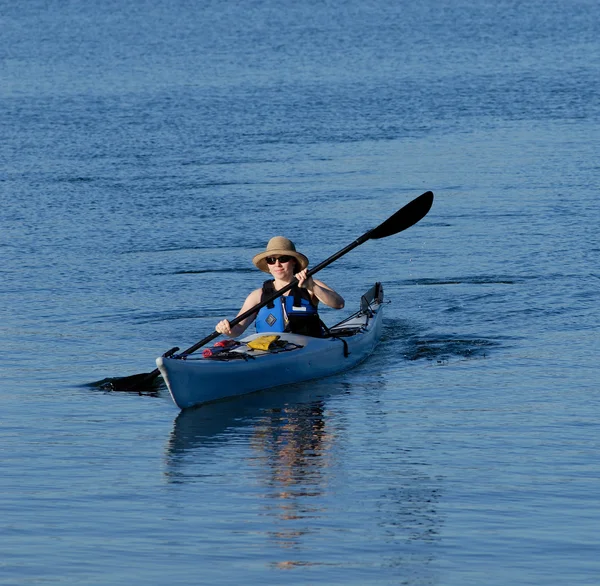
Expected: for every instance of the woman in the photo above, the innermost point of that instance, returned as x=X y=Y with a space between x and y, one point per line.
x=296 y=310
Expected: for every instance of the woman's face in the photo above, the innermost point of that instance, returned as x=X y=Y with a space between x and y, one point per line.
x=283 y=270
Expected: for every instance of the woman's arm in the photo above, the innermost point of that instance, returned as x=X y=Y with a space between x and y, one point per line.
x=224 y=327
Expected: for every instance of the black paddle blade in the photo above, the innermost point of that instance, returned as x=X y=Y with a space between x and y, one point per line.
x=144 y=382
x=136 y=383
x=405 y=217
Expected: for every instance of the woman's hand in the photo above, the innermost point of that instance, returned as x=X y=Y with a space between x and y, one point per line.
x=304 y=281
x=224 y=327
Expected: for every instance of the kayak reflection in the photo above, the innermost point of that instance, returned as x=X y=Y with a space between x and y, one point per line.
x=216 y=423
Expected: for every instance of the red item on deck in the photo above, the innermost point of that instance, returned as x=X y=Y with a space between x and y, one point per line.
x=225 y=343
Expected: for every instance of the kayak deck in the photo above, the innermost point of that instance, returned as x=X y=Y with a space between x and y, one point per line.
x=241 y=369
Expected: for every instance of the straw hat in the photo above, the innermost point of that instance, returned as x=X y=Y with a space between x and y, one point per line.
x=279 y=246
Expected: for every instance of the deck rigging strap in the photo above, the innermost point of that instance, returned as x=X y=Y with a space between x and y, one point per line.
x=336 y=336
x=346 y=351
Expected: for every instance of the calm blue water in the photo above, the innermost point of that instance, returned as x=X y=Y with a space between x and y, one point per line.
x=148 y=150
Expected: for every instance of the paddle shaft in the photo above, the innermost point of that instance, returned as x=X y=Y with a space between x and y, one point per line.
x=407 y=216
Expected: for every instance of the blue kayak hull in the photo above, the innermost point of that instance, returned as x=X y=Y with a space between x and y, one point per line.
x=196 y=380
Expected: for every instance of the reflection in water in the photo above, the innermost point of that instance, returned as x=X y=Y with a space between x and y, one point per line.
x=216 y=423
x=294 y=439
x=296 y=443
x=311 y=481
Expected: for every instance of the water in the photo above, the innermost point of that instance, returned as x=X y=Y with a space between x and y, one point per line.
x=149 y=150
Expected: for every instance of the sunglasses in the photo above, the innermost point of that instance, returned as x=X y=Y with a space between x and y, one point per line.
x=271 y=260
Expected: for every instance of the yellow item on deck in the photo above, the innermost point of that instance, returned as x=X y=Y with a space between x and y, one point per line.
x=264 y=342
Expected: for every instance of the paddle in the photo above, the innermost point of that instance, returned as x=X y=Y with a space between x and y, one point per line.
x=404 y=218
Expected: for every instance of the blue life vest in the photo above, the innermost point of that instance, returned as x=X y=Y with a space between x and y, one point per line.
x=302 y=315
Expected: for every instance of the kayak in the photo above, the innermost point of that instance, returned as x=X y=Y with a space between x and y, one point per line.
x=257 y=362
